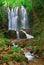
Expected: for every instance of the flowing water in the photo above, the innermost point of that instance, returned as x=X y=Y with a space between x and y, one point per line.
x=24 y=18
x=27 y=35
x=13 y=20
x=17 y=32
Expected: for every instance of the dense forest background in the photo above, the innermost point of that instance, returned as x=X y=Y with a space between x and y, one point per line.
x=9 y=53
x=35 y=9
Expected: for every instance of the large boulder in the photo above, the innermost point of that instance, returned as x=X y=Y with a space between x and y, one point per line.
x=10 y=34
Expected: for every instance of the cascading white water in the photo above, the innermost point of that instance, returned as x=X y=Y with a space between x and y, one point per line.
x=24 y=18
x=27 y=35
x=13 y=23
x=17 y=32
x=13 y=18
x=9 y=18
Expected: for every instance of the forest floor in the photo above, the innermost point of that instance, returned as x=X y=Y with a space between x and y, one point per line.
x=5 y=51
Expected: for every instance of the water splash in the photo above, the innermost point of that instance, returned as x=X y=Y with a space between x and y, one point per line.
x=27 y=35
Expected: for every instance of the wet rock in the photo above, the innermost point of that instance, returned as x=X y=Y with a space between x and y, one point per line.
x=11 y=34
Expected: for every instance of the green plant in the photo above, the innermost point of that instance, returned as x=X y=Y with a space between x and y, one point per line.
x=35 y=49
x=36 y=3
x=14 y=49
x=5 y=58
x=43 y=52
x=1 y=3
x=18 y=57
x=14 y=3
x=1 y=35
x=3 y=42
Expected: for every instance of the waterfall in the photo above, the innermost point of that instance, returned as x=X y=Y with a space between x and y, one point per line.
x=24 y=18
x=13 y=20
x=27 y=35
x=9 y=18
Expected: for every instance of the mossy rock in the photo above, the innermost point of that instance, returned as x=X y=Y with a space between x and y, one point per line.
x=11 y=34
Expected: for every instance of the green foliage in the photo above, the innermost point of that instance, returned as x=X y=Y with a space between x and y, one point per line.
x=1 y=3
x=3 y=17
x=14 y=3
x=36 y=3
x=2 y=12
x=35 y=49
x=1 y=35
x=3 y=42
x=5 y=58
x=14 y=49
x=18 y=57
x=43 y=52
